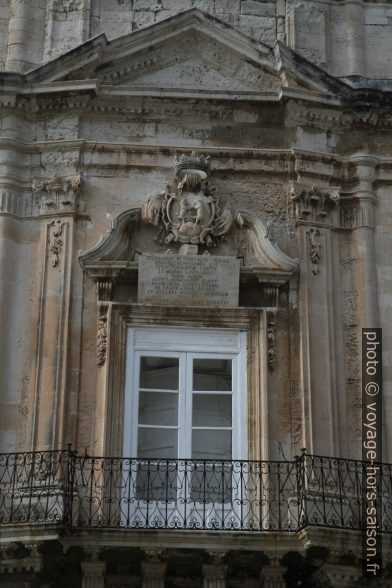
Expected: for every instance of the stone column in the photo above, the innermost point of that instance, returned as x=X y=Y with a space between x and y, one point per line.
x=25 y=34
x=153 y=572
x=214 y=576
x=355 y=38
x=93 y=574
x=363 y=239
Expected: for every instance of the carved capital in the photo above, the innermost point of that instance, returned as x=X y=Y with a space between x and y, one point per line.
x=312 y=203
x=58 y=194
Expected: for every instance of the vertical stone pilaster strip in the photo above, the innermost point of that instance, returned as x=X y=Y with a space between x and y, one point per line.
x=153 y=574
x=214 y=576
x=272 y=577
x=53 y=332
x=316 y=310
x=93 y=574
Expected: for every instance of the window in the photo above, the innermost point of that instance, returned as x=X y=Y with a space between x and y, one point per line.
x=184 y=420
x=185 y=394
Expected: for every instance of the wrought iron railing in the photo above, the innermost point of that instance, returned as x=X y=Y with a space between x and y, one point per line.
x=64 y=488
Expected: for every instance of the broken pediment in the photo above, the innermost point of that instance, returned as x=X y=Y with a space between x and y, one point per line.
x=188 y=218
x=191 y=51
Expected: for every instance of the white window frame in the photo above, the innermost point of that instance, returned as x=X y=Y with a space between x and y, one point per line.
x=198 y=343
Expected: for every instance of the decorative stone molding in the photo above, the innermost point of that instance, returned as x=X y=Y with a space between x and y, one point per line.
x=314 y=254
x=271 y=332
x=67 y=5
x=14 y=560
x=55 y=240
x=312 y=203
x=102 y=333
x=104 y=291
x=188 y=216
x=58 y=194
x=104 y=296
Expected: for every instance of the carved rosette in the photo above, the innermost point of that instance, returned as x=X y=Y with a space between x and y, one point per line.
x=312 y=203
x=57 y=195
x=187 y=211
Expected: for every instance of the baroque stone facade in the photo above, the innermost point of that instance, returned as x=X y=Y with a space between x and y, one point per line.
x=256 y=130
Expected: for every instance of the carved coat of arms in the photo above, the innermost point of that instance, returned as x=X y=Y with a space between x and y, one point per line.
x=187 y=211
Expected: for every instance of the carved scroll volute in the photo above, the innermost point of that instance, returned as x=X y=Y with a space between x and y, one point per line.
x=104 y=295
x=58 y=194
x=313 y=203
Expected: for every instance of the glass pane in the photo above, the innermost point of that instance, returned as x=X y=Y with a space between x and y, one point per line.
x=211 y=410
x=157 y=443
x=159 y=373
x=158 y=408
x=212 y=374
x=211 y=444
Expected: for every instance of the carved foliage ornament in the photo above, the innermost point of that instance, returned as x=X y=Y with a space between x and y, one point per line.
x=187 y=211
x=55 y=240
x=314 y=255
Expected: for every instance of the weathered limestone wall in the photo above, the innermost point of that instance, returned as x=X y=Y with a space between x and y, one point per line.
x=344 y=37
x=384 y=290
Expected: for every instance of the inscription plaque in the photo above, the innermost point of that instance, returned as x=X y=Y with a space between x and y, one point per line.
x=194 y=280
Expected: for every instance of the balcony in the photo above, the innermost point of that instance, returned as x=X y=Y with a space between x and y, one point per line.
x=62 y=488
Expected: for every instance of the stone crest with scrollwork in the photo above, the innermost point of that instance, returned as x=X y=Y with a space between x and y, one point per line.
x=188 y=211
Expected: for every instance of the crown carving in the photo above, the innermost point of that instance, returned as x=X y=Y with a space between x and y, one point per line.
x=192 y=162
